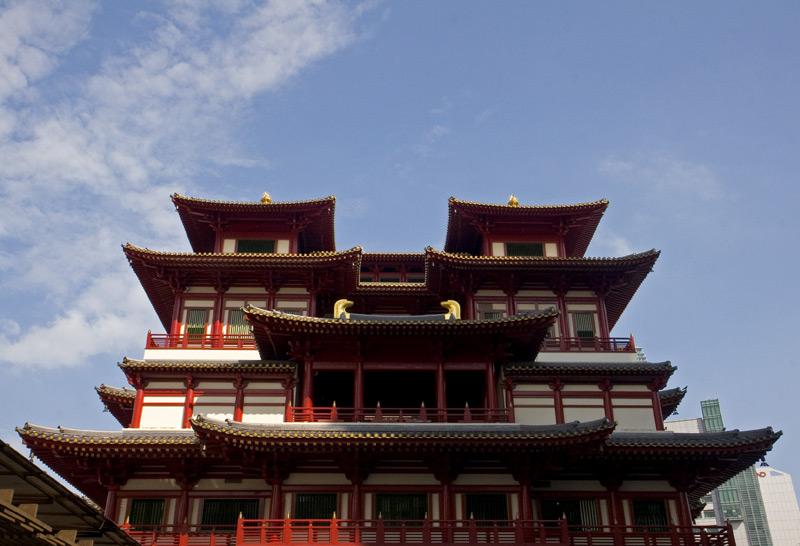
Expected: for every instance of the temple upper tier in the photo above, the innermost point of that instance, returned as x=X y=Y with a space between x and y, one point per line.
x=473 y=394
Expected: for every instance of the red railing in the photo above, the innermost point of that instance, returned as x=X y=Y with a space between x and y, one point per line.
x=590 y=344
x=427 y=532
x=397 y=415
x=199 y=341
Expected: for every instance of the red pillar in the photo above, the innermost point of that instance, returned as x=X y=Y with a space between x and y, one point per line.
x=308 y=384
x=491 y=386
x=356 y=508
x=441 y=391
x=276 y=501
x=525 y=501
x=188 y=405
x=358 y=386
x=447 y=502
x=557 y=386
x=238 y=405
x=111 y=502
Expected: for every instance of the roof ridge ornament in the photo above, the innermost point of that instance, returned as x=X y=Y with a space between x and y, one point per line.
x=513 y=201
x=453 y=309
x=266 y=199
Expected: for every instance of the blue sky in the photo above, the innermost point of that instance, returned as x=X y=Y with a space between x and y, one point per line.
x=684 y=115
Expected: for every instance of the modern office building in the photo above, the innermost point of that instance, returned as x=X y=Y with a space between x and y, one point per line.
x=760 y=502
x=780 y=504
x=473 y=394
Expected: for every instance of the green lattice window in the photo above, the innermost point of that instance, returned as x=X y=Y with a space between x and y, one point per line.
x=524 y=249
x=255 y=246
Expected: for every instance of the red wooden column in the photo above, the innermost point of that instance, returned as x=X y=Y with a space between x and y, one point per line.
x=358 y=385
x=356 y=471
x=176 y=312
x=525 y=501
x=138 y=402
x=606 y=387
x=308 y=383
x=188 y=405
x=111 y=502
x=216 y=326
x=508 y=388
x=238 y=406
x=612 y=479
x=441 y=390
x=491 y=385
x=657 y=414
x=556 y=386
x=275 y=473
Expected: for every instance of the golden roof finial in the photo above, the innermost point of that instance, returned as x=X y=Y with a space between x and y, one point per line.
x=513 y=201
x=266 y=199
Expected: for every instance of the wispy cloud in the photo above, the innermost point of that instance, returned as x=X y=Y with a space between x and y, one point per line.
x=82 y=175
x=429 y=139
x=665 y=175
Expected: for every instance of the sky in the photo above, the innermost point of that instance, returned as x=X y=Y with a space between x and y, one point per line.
x=684 y=115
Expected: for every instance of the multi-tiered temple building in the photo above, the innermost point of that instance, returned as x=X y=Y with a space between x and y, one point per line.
x=471 y=394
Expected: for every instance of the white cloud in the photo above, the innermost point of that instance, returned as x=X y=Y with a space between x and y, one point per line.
x=81 y=176
x=427 y=143
x=665 y=175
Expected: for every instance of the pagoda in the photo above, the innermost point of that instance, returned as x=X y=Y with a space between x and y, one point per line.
x=472 y=394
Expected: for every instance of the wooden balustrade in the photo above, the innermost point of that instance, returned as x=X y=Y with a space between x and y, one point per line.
x=199 y=341
x=590 y=344
x=245 y=341
x=427 y=532
x=397 y=415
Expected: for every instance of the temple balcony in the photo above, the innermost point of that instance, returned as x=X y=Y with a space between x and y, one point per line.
x=181 y=346
x=588 y=349
x=427 y=532
x=397 y=415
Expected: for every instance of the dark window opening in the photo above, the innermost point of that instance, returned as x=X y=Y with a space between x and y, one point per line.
x=196 y=320
x=400 y=389
x=255 y=246
x=524 y=249
x=401 y=506
x=486 y=508
x=146 y=512
x=466 y=388
x=330 y=387
x=314 y=505
x=225 y=512
x=577 y=512
x=651 y=513
x=584 y=324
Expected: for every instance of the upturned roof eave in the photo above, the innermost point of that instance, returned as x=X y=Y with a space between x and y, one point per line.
x=202 y=237
x=459 y=236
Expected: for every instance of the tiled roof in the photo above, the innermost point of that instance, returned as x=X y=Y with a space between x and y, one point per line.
x=77 y=439
x=200 y=218
x=162 y=273
x=254 y=204
x=582 y=368
x=557 y=209
x=118 y=392
x=238 y=260
x=693 y=440
x=581 y=262
x=577 y=222
x=399 y=436
x=201 y=365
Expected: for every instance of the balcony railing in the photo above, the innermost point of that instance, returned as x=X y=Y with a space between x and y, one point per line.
x=590 y=344
x=245 y=341
x=427 y=532
x=397 y=415
x=199 y=341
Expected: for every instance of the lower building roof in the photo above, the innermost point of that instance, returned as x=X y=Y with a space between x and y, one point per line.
x=58 y=509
